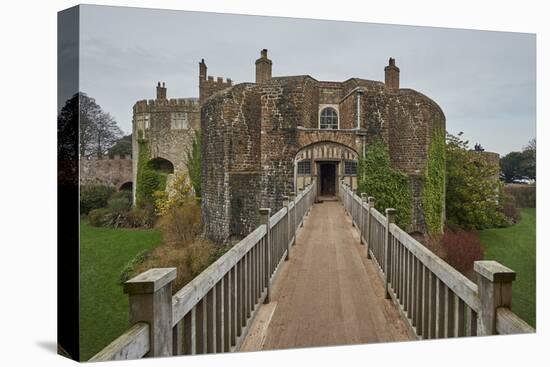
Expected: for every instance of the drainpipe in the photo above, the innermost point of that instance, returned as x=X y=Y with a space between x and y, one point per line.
x=358 y=122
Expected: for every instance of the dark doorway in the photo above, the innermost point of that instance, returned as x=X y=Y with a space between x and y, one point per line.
x=328 y=178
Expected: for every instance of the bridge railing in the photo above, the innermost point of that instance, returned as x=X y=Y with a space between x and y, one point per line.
x=213 y=312
x=436 y=300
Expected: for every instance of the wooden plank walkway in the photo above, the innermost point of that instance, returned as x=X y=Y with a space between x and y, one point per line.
x=328 y=293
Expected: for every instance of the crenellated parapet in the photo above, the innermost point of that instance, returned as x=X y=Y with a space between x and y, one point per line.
x=208 y=84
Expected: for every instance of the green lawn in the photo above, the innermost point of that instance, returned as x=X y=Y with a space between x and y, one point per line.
x=103 y=306
x=515 y=247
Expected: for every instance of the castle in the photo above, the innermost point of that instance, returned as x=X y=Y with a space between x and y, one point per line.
x=264 y=140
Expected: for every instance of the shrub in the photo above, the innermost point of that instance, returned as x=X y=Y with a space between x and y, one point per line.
x=129 y=269
x=189 y=261
x=148 y=179
x=181 y=224
x=101 y=217
x=178 y=194
x=462 y=248
x=94 y=197
x=509 y=207
x=119 y=206
x=525 y=195
x=472 y=196
x=122 y=194
x=391 y=188
x=143 y=216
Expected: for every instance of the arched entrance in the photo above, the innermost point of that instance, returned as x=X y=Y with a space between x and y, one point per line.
x=327 y=161
x=161 y=165
x=126 y=186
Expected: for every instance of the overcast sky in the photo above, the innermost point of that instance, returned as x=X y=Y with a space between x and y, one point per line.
x=484 y=81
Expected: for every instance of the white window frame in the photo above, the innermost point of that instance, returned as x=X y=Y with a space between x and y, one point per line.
x=333 y=106
x=175 y=117
x=298 y=173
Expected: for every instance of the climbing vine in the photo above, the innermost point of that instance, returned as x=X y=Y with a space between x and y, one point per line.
x=391 y=188
x=433 y=194
x=149 y=180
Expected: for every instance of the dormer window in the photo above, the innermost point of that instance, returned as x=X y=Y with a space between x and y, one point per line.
x=328 y=118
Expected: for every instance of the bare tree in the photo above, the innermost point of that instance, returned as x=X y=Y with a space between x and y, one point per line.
x=98 y=130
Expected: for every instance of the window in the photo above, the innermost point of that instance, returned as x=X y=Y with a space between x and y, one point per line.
x=329 y=118
x=304 y=168
x=350 y=168
x=179 y=120
x=142 y=121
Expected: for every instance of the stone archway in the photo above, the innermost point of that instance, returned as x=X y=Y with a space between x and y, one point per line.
x=161 y=164
x=327 y=161
x=128 y=186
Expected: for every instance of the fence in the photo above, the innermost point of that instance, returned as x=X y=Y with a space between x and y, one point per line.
x=213 y=312
x=436 y=300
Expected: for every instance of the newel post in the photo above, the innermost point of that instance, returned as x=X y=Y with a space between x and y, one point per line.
x=390 y=218
x=150 y=298
x=370 y=204
x=494 y=282
x=265 y=214
x=361 y=218
x=288 y=235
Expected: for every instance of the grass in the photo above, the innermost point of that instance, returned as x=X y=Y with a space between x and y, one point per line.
x=515 y=247
x=104 y=252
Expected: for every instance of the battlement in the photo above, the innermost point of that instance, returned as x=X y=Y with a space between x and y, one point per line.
x=148 y=104
x=116 y=157
x=209 y=84
x=219 y=81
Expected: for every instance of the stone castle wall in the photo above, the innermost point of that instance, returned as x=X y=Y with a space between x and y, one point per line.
x=153 y=121
x=253 y=132
x=115 y=171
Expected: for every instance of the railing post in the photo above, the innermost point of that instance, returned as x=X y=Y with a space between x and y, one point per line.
x=361 y=221
x=494 y=282
x=390 y=218
x=265 y=214
x=370 y=204
x=150 y=300
x=302 y=203
x=288 y=236
x=292 y=197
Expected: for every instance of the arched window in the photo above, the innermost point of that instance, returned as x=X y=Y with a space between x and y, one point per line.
x=329 y=118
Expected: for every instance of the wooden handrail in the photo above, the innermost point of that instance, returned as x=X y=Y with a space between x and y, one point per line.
x=436 y=300
x=508 y=322
x=213 y=312
x=132 y=344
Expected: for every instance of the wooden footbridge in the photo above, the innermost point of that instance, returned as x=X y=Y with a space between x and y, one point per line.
x=315 y=274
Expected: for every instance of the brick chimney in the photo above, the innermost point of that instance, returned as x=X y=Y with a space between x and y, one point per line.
x=263 y=68
x=392 y=75
x=161 y=91
x=202 y=70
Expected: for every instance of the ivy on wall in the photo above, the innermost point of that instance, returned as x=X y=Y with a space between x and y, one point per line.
x=390 y=188
x=148 y=180
x=433 y=193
